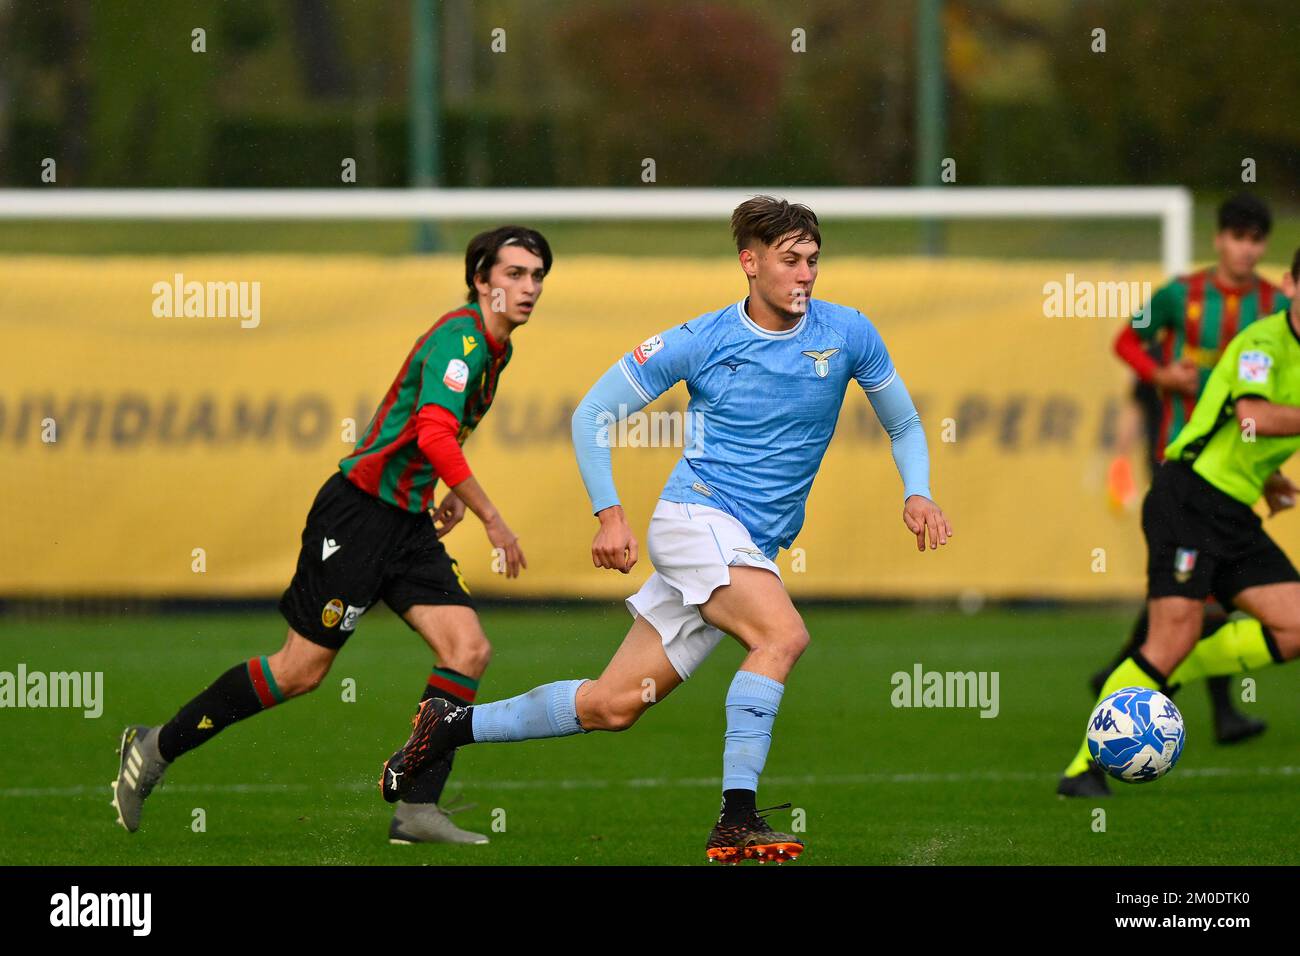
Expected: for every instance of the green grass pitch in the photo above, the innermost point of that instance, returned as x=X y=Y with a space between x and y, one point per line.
x=877 y=785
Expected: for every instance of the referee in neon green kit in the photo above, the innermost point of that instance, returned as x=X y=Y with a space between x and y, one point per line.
x=1203 y=535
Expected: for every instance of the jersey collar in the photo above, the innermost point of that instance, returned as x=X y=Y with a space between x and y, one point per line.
x=496 y=348
x=767 y=333
x=1237 y=290
x=1286 y=316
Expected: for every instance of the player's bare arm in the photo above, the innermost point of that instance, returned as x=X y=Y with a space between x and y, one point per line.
x=1280 y=493
x=475 y=498
x=1268 y=419
x=448 y=514
x=1182 y=377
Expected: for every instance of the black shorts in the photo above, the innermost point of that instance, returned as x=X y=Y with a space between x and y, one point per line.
x=356 y=548
x=1201 y=541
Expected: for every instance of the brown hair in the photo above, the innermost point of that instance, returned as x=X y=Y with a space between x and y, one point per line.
x=768 y=219
x=481 y=254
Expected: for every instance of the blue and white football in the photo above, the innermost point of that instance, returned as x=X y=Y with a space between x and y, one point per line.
x=1136 y=734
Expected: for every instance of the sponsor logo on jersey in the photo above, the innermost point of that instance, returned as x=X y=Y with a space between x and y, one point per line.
x=332 y=613
x=1205 y=358
x=821 y=361
x=468 y=343
x=1253 y=367
x=1184 y=562
x=456 y=376
x=647 y=348
x=350 y=618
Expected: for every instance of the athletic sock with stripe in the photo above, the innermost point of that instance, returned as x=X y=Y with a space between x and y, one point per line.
x=240 y=692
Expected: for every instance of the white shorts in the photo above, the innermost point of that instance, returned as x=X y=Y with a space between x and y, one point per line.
x=691 y=547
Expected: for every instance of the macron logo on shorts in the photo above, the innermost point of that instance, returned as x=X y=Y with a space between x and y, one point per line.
x=328 y=547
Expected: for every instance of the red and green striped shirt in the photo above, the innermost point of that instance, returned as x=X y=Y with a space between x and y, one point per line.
x=455 y=364
x=1195 y=317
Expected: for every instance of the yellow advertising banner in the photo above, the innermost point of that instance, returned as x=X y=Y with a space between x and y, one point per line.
x=165 y=423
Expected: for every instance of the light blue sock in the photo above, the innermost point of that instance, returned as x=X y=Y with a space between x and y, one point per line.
x=752 y=702
x=547 y=711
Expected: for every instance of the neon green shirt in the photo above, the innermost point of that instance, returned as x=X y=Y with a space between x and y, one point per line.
x=1262 y=362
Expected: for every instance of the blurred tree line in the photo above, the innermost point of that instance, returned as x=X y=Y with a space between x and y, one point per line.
x=586 y=89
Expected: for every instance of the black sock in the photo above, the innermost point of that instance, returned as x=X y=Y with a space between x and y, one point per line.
x=240 y=692
x=462 y=732
x=450 y=685
x=737 y=805
x=1137 y=637
x=1220 y=692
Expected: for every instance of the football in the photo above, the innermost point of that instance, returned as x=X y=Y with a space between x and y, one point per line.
x=1136 y=735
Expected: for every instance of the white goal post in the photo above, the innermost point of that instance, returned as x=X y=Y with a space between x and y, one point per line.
x=1171 y=205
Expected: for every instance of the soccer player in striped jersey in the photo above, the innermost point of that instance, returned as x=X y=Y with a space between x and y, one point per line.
x=767 y=377
x=1187 y=323
x=369 y=536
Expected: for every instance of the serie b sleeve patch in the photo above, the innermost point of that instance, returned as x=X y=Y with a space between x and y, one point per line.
x=1254 y=366
x=456 y=376
x=647 y=348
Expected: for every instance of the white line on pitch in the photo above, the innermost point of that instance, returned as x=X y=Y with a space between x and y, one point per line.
x=810 y=780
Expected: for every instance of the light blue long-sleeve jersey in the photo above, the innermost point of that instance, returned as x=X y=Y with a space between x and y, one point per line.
x=763 y=406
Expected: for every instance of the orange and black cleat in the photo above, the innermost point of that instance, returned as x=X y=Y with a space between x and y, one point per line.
x=752 y=839
x=429 y=741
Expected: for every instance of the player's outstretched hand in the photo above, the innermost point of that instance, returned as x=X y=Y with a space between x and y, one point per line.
x=614 y=546
x=923 y=517
x=1280 y=493
x=448 y=514
x=504 y=539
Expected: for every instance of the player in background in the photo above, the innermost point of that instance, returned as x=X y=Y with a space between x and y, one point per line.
x=767 y=377
x=1187 y=323
x=1203 y=536
x=369 y=536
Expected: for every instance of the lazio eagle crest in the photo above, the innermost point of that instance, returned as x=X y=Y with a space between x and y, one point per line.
x=821 y=361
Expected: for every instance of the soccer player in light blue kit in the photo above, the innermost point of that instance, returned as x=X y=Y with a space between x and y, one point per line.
x=767 y=376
